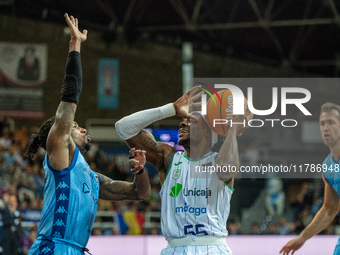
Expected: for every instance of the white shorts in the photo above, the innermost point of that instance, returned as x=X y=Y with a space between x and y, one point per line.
x=197 y=250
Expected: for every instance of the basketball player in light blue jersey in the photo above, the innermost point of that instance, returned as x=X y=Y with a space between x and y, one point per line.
x=195 y=206
x=71 y=188
x=330 y=131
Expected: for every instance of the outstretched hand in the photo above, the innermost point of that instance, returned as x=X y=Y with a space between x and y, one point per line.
x=292 y=246
x=185 y=102
x=75 y=33
x=138 y=161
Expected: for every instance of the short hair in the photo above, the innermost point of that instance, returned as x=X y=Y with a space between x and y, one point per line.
x=329 y=107
x=39 y=139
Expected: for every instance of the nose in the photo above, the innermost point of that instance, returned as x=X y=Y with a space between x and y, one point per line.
x=83 y=131
x=183 y=124
x=325 y=127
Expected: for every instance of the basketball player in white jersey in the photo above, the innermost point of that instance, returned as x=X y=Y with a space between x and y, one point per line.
x=195 y=203
x=330 y=131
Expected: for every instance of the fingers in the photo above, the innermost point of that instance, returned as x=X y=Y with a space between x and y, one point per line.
x=67 y=19
x=72 y=19
x=194 y=117
x=140 y=152
x=283 y=250
x=193 y=97
x=76 y=22
x=196 y=104
x=135 y=166
x=132 y=152
x=85 y=32
x=193 y=90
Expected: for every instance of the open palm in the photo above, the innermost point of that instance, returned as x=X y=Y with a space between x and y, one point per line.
x=73 y=25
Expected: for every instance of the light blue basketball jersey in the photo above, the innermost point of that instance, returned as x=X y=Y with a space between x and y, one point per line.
x=332 y=175
x=70 y=203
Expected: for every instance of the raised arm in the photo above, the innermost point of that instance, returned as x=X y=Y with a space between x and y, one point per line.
x=130 y=129
x=322 y=219
x=139 y=189
x=60 y=146
x=228 y=154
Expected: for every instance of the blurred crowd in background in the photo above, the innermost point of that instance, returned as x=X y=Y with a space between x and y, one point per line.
x=22 y=184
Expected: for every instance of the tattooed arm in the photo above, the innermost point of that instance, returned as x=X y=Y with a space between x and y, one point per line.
x=139 y=189
x=60 y=146
x=130 y=128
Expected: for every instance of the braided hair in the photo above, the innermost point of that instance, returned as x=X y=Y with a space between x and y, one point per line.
x=39 y=139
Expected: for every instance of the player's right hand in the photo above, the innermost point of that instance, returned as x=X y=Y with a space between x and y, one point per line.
x=292 y=245
x=185 y=102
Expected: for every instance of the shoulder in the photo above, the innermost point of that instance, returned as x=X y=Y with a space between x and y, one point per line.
x=328 y=159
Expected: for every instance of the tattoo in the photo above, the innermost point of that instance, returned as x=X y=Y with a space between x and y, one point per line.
x=116 y=190
x=65 y=115
x=168 y=159
x=164 y=169
x=149 y=141
x=145 y=141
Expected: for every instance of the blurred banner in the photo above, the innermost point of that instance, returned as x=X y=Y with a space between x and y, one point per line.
x=108 y=83
x=31 y=215
x=23 y=69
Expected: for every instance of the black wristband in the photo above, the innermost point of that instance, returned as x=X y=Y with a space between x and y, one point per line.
x=140 y=172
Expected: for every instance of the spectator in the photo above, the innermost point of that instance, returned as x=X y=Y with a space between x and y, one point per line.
x=306 y=216
x=252 y=155
x=255 y=229
x=233 y=228
x=292 y=229
x=96 y=232
x=283 y=228
x=27 y=241
x=272 y=230
x=5 y=141
x=12 y=231
x=275 y=198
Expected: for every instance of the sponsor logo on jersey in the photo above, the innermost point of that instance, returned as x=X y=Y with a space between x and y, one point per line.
x=97 y=178
x=178 y=163
x=199 y=192
x=62 y=185
x=175 y=190
x=61 y=209
x=189 y=209
x=86 y=188
x=176 y=174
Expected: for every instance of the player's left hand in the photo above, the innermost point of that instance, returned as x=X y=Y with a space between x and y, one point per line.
x=243 y=118
x=75 y=33
x=138 y=161
x=292 y=245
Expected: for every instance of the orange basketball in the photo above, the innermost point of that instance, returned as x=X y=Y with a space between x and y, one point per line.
x=221 y=112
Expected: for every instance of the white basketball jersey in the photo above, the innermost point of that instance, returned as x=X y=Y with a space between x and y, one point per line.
x=194 y=201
